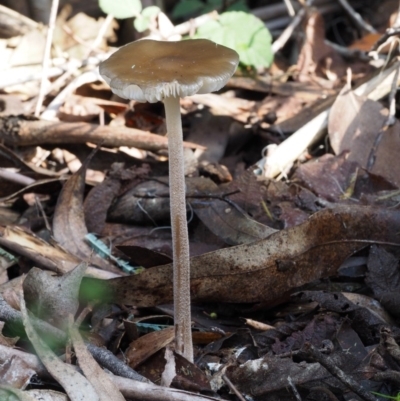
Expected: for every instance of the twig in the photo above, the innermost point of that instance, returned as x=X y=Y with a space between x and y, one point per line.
x=389 y=33
x=294 y=389
x=21 y=75
x=309 y=350
x=42 y=213
x=52 y=109
x=102 y=31
x=347 y=52
x=391 y=375
x=15 y=131
x=13 y=23
x=186 y=27
x=356 y=17
x=225 y=378
x=326 y=391
x=46 y=55
x=290 y=8
x=287 y=33
x=274 y=11
x=72 y=68
x=15 y=177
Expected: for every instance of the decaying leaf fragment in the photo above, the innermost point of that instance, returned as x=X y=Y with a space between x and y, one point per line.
x=267 y=270
x=358 y=125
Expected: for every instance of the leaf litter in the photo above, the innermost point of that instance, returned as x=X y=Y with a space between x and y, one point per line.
x=293 y=201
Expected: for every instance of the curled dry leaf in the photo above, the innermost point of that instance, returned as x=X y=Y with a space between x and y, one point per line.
x=266 y=270
x=99 y=199
x=53 y=299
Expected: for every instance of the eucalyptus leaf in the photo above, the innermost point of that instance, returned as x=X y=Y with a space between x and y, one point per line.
x=121 y=9
x=242 y=32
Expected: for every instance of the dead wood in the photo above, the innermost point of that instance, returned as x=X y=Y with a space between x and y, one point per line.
x=18 y=131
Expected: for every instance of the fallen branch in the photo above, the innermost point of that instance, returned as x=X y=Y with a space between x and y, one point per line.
x=15 y=131
x=128 y=387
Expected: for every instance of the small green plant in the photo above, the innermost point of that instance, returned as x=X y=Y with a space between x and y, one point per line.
x=238 y=30
x=242 y=32
x=191 y=8
x=397 y=398
x=122 y=9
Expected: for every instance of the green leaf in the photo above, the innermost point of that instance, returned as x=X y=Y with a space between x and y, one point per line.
x=121 y=9
x=187 y=8
x=244 y=33
x=142 y=21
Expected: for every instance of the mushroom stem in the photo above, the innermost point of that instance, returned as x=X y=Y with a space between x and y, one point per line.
x=180 y=237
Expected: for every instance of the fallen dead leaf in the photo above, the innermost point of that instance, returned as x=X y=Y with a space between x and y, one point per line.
x=145 y=346
x=267 y=270
x=69 y=222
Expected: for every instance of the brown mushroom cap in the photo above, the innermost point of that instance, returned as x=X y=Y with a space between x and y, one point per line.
x=150 y=70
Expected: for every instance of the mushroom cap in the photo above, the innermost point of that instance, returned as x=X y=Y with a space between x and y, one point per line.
x=150 y=70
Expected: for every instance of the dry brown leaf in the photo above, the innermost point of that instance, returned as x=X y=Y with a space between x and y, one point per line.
x=69 y=222
x=100 y=380
x=147 y=345
x=267 y=270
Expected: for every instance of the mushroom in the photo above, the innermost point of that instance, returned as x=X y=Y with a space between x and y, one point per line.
x=149 y=70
